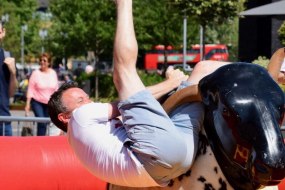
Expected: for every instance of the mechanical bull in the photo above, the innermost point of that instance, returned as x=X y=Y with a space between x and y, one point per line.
x=244 y=148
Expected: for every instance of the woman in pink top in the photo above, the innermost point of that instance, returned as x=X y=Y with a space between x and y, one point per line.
x=42 y=83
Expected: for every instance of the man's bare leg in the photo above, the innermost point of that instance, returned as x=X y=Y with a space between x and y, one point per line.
x=275 y=64
x=125 y=76
x=204 y=68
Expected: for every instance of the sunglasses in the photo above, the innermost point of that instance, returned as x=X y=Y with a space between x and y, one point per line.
x=43 y=60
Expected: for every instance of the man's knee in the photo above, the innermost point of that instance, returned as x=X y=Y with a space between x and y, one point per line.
x=207 y=66
x=204 y=68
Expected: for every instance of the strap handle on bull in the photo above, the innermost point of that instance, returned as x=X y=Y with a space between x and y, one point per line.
x=188 y=94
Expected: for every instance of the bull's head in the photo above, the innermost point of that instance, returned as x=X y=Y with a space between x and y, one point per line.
x=244 y=111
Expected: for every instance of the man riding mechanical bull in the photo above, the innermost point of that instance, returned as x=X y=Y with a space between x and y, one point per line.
x=150 y=146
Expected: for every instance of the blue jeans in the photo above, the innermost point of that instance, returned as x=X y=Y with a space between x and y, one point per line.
x=7 y=131
x=40 y=110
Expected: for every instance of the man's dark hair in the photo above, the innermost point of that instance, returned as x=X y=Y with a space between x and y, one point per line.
x=56 y=107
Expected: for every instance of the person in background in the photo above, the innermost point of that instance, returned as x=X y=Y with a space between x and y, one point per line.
x=89 y=69
x=61 y=68
x=8 y=84
x=42 y=83
x=67 y=78
x=77 y=72
x=276 y=66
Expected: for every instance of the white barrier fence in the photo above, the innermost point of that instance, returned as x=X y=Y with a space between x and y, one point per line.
x=18 y=123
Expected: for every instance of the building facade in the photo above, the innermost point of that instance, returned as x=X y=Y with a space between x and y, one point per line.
x=258 y=35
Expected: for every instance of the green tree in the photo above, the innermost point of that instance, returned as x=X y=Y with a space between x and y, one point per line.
x=81 y=26
x=211 y=13
x=159 y=22
x=21 y=12
x=281 y=33
x=223 y=34
x=91 y=28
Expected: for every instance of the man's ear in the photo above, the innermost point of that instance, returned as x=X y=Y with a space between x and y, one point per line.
x=4 y=32
x=63 y=117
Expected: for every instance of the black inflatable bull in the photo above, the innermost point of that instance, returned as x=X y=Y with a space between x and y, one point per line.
x=244 y=109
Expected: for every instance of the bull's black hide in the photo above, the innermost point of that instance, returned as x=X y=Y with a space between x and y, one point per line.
x=244 y=110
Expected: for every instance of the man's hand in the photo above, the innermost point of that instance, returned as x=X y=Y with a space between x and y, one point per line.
x=10 y=62
x=176 y=76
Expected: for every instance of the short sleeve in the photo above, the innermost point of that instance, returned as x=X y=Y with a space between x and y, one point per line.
x=283 y=66
x=91 y=112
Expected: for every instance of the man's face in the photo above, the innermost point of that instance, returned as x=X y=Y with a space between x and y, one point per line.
x=44 y=63
x=2 y=32
x=72 y=99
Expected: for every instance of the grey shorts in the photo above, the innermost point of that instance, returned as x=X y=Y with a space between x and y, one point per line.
x=163 y=146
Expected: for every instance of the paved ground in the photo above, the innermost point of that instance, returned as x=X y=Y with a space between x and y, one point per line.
x=20 y=113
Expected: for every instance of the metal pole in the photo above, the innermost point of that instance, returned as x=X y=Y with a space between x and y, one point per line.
x=22 y=46
x=186 y=67
x=96 y=86
x=43 y=34
x=184 y=41
x=23 y=29
x=3 y=128
x=201 y=43
x=23 y=118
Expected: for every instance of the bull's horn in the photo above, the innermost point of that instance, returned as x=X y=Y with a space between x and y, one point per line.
x=188 y=94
